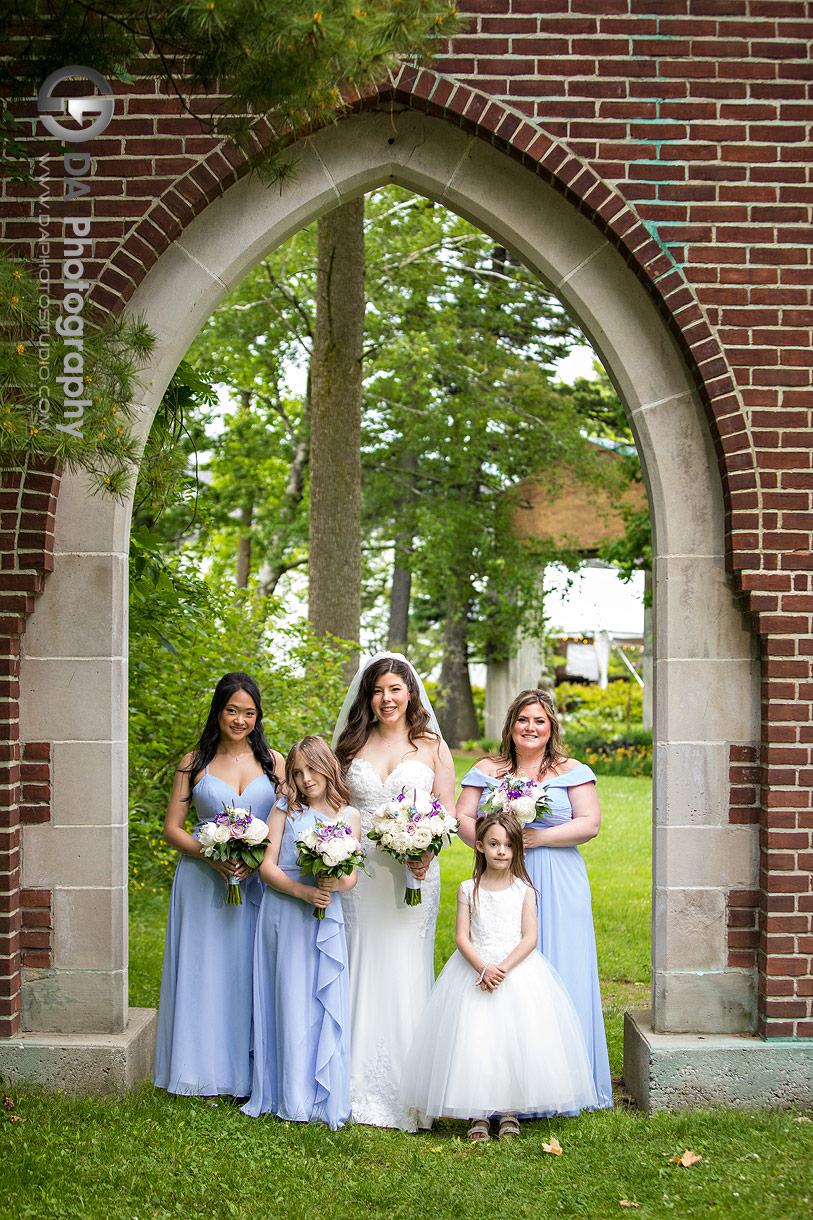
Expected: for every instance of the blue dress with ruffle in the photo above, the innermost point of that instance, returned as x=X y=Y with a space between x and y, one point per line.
x=203 y=1043
x=301 y=1001
x=567 y=937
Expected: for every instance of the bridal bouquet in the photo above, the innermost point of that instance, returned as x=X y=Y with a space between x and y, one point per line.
x=329 y=848
x=234 y=835
x=406 y=828
x=525 y=798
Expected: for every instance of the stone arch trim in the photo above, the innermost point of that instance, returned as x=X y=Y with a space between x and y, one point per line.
x=491 y=119
x=707 y=694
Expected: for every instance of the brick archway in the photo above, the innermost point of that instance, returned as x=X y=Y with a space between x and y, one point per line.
x=704 y=659
x=677 y=140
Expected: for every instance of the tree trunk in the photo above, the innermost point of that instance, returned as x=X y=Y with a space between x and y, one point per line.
x=398 y=635
x=246 y=517
x=244 y=547
x=456 y=713
x=399 y=596
x=334 y=600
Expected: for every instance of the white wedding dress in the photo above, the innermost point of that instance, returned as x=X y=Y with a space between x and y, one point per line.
x=390 y=948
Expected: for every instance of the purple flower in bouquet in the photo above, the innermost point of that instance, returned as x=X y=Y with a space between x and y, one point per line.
x=406 y=828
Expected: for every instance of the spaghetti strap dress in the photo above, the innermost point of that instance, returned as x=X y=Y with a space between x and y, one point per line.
x=203 y=1042
x=301 y=1069
x=567 y=937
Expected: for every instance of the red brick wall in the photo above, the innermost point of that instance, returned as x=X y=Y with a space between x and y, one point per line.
x=27 y=507
x=681 y=128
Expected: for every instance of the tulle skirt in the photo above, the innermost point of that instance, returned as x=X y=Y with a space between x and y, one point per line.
x=518 y=1049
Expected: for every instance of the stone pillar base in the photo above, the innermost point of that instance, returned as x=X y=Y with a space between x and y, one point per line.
x=84 y=1063
x=699 y=1071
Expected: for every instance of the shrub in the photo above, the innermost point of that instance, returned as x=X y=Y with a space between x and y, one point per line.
x=300 y=676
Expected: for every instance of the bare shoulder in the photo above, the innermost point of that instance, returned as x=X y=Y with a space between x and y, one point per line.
x=279 y=763
x=569 y=764
x=442 y=752
x=186 y=761
x=488 y=766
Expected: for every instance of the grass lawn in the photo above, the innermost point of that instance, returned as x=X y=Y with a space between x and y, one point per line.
x=151 y=1157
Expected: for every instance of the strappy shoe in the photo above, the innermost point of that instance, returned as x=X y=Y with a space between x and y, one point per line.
x=508 y=1126
x=479 y=1132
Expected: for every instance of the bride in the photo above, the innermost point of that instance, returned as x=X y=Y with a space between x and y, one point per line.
x=387 y=739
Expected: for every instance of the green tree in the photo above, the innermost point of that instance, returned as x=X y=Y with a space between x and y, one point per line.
x=459 y=407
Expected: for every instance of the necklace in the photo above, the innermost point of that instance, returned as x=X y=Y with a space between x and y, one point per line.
x=236 y=757
x=391 y=745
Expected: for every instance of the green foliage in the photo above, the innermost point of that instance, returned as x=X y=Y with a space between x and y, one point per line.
x=167 y=487
x=459 y=409
x=584 y=702
x=33 y=423
x=229 y=61
x=633 y=552
x=300 y=677
x=603 y=727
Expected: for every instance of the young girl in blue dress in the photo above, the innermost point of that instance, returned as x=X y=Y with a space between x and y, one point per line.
x=301 y=989
x=203 y=1043
x=531 y=746
x=499 y=1034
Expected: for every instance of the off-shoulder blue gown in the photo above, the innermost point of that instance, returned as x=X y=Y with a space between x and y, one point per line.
x=203 y=1044
x=301 y=1002
x=567 y=937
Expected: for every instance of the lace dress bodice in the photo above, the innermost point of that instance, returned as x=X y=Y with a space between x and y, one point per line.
x=368 y=790
x=496 y=919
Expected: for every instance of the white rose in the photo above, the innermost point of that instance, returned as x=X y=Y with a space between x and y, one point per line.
x=498 y=798
x=256 y=832
x=308 y=838
x=334 y=852
x=220 y=834
x=524 y=809
x=392 y=808
x=239 y=813
x=205 y=834
x=422 y=837
x=423 y=803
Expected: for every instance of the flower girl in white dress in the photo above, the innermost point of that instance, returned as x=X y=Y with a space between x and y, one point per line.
x=499 y=1035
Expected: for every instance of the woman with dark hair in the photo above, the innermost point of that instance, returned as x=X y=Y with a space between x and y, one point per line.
x=388 y=741
x=203 y=1044
x=531 y=746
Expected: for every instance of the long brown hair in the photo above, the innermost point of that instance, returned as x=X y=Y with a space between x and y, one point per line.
x=554 y=754
x=360 y=718
x=319 y=757
x=512 y=828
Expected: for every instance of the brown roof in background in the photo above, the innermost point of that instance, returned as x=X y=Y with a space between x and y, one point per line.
x=579 y=514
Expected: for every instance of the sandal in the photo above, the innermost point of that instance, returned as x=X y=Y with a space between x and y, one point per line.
x=479 y=1132
x=508 y=1126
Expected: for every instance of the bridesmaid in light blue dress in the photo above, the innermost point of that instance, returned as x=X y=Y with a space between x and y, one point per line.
x=531 y=745
x=301 y=1068
x=203 y=1043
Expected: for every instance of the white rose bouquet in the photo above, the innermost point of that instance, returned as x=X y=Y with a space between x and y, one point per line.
x=407 y=828
x=234 y=835
x=330 y=849
x=525 y=798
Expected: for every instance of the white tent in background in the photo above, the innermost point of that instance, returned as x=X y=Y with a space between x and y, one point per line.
x=596 y=610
